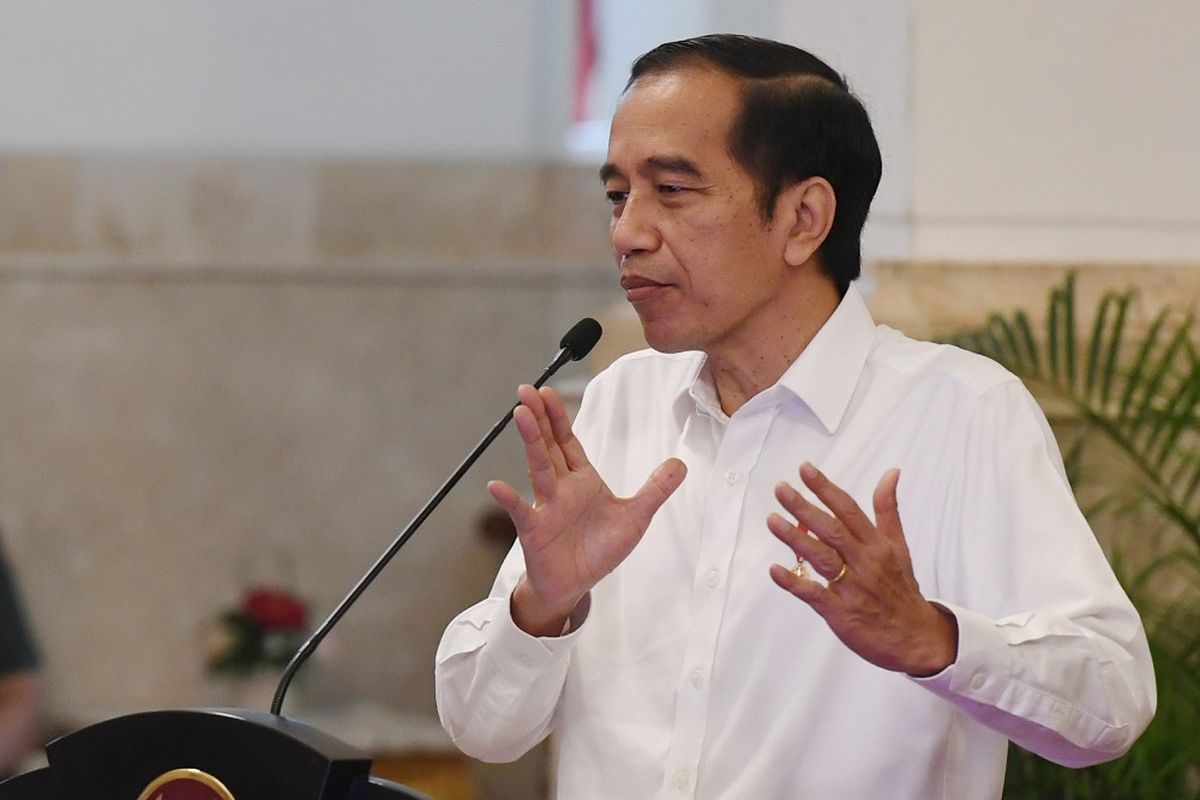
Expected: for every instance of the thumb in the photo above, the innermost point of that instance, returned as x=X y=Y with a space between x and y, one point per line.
x=661 y=484
x=520 y=512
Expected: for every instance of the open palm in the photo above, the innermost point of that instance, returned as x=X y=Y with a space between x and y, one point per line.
x=577 y=531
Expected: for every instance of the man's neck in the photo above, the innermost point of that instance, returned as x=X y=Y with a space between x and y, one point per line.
x=742 y=369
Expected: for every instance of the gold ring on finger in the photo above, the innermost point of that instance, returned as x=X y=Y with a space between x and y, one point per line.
x=841 y=574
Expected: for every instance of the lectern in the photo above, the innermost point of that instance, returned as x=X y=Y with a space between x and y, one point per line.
x=204 y=754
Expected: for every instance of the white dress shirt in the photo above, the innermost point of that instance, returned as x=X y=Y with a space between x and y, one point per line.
x=694 y=675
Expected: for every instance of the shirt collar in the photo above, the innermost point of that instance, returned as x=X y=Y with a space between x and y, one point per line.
x=825 y=374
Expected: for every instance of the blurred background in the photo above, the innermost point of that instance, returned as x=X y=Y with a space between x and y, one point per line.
x=268 y=269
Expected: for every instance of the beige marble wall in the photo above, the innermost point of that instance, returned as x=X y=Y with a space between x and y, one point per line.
x=935 y=299
x=219 y=371
x=298 y=217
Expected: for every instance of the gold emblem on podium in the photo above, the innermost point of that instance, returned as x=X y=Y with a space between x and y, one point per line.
x=186 y=784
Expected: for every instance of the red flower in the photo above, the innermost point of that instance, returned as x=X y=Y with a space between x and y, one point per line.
x=274 y=609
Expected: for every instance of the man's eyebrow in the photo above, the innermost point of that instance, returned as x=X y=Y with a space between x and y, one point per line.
x=674 y=164
x=677 y=165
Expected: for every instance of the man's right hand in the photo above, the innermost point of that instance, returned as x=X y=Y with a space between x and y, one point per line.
x=577 y=531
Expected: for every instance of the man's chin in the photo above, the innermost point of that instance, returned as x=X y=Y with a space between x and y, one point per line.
x=663 y=341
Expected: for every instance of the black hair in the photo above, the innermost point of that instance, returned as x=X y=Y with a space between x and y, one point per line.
x=798 y=120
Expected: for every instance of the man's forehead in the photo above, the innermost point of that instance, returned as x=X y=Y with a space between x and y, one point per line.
x=667 y=121
x=690 y=90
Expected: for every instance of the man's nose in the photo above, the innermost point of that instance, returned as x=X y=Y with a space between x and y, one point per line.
x=635 y=228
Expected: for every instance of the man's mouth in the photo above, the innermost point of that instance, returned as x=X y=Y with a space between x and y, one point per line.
x=638 y=288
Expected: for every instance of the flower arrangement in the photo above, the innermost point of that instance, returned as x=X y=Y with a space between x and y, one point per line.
x=264 y=630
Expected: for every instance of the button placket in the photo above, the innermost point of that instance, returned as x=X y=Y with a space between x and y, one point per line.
x=724 y=507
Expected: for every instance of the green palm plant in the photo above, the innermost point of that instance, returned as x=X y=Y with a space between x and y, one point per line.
x=1131 y=433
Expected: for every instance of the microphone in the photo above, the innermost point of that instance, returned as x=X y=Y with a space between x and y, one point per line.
x=575 y=344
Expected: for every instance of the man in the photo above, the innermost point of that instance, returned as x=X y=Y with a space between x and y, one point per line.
x=20 y=693
x=947 y=594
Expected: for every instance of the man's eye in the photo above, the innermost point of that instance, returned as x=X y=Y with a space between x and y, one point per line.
x=668 y=188
x=615 y=197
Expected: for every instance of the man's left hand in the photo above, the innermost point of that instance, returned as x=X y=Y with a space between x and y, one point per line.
x=872 y=601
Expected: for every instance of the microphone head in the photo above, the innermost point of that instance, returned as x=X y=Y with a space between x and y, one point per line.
x=582 y=337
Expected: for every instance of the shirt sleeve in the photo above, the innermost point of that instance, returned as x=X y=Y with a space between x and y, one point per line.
x=1051 y=652
x=17 y=651
x=498 y=687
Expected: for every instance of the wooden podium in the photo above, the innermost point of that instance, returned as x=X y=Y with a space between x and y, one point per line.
x=203 y=754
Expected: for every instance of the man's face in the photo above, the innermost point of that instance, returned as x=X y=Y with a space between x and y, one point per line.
x=697 y=261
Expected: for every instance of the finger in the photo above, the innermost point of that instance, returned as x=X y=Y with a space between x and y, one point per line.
x=823 y=558
x=827 y=528
x=531 y=398
x=560 y=424
x=887 y=507
x=838 y=501
x=520 y=512
x=807 y=590
x=661 y=484
x=797 y=505
x=542 y=475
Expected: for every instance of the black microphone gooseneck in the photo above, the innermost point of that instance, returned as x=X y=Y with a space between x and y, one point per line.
x=576 y=344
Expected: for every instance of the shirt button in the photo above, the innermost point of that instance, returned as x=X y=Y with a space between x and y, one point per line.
x=978 y=681
x=731 y=477
x=712 y=578
x=681 y=778
x=697 y=678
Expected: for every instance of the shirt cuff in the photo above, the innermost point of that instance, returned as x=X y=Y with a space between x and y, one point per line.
x=510 y=644
x=979 y=670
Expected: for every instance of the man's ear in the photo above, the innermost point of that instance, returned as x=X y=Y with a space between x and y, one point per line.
x=808 y=209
